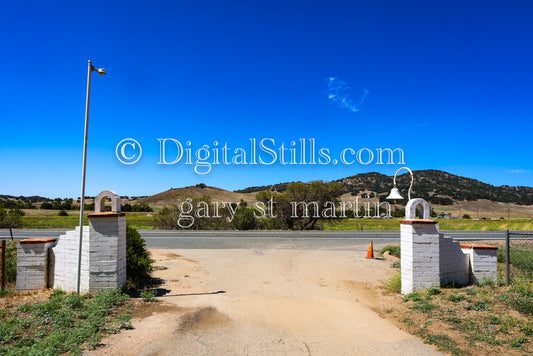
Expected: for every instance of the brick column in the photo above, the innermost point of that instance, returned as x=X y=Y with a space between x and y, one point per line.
x=420 y=255
x=32 y=263
x=483 y=262
x=107 y=250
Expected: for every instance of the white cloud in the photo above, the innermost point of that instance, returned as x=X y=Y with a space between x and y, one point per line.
x=515 y=171
x=339 y=94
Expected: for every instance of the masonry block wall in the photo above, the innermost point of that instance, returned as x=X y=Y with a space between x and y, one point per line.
x=32 y=263
x=64 y=261
x=454 y=263
x=42 y=263
x=107 y=250
x=420 y=262
x=429 y=259
x=103 y=255
x=483 y=262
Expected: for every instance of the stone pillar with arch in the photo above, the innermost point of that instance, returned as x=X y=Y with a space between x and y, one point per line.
x=103 y=262
x=420 y=262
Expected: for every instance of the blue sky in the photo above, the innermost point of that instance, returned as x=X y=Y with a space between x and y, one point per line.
x=449 y=82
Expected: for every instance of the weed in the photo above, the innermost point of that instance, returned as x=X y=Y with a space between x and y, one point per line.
x=445 y=343
x=452 y=311
x=424 y=306
x=396 y=264
x=408 y=322
x=148 y=295
x=470 y=291
x=517 y=343
x=487 y=282
x=394 y=284
x=434 y=291
x=494 y=320
x=415 y=297
x=527 y=330
x=453 y=320
x=65 y=323
x=454 y=297
x=478 y=306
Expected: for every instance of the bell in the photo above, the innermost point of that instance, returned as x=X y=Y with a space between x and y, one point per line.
x=394 y=194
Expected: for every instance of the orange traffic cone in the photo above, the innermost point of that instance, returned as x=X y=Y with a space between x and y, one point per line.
x=370 y=253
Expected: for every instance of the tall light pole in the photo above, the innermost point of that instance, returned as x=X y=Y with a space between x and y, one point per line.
x=86 y=134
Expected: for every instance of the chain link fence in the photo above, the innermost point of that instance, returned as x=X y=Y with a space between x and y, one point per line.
x=519 y=255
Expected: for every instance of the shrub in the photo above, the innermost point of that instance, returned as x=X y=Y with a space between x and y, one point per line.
x=244 y=219
x=11 y=261
x=62 y=213
x=466 y=216
x=138 y=261
x=394 y=250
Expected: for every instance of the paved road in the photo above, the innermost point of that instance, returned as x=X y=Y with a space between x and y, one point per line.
x=262 y=239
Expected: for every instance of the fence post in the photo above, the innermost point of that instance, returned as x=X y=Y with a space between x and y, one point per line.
x=507 y=259
x=3 y=264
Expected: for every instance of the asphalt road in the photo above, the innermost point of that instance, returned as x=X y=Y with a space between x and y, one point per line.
x=336 y=240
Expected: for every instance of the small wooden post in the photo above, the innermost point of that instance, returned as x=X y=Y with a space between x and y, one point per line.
x=3 y=264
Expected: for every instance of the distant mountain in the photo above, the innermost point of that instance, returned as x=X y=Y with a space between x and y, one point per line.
x=175 y=195
x=437 y=187
x=31 y=199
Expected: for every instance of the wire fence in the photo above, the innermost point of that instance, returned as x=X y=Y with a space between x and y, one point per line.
x=519 y=255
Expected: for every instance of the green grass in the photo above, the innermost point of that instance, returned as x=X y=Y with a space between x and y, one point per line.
x=141 y=221
x=444 y=343
x=65 y=323
x=444 y=224
x=70 y=222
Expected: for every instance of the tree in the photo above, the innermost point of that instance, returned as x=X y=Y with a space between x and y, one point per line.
x=195 y=214
x=11 y=219
x=302 y=205
x=244 y=218
x=46 y=206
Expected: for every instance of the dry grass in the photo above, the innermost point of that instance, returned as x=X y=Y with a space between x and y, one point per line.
x=467 y=321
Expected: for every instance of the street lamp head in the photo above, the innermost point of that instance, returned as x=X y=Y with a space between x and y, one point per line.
x=100 y=71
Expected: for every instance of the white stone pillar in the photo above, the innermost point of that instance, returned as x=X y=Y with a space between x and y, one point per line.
x=107 y=250
x=420 y=267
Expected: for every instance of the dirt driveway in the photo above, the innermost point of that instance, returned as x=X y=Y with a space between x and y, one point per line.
x=266 y=302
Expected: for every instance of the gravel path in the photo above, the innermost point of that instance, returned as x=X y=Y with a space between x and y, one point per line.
x=266 y=302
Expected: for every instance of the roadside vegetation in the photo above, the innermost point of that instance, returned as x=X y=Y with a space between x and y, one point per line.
x=61 y=323
x=55 y=322
x=141 y=221
x=137 y=220
x=444 y=224
x=475 y=320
